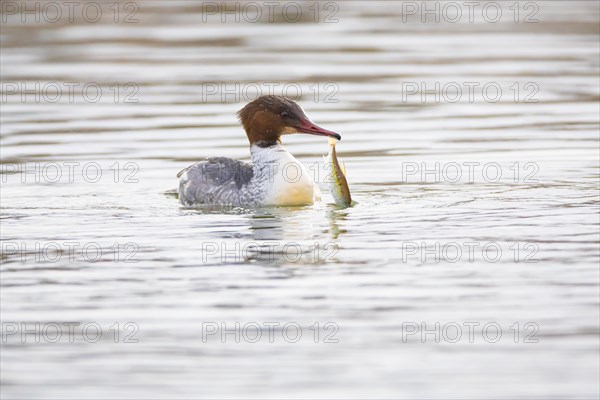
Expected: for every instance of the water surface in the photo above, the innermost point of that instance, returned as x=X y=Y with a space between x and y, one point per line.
x=422 y=246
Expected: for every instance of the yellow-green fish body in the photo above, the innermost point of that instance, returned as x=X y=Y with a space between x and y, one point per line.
x=338 y=185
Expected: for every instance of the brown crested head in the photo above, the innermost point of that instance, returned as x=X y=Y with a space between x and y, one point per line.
x=266 y=118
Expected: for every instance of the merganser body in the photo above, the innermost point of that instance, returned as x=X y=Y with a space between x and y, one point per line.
x=274 y=178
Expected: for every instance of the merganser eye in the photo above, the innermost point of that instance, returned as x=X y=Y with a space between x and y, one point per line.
x=285 y=114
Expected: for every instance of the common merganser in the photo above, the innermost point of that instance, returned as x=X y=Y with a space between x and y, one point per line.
x=274 y=178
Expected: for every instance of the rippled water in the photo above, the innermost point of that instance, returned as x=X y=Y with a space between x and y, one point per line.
x=517 y=251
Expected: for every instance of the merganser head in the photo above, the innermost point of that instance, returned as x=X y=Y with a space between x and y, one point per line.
x=268 y=117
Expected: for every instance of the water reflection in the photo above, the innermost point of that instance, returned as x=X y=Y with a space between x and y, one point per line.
x=277 y=224
x=276 y=236
x=335 y=216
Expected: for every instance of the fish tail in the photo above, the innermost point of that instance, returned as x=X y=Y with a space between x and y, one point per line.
x=332 y=141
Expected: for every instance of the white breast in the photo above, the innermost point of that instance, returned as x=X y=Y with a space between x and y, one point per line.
x=289 y=182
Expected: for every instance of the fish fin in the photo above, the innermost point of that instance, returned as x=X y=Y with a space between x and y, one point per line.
x=331 y=141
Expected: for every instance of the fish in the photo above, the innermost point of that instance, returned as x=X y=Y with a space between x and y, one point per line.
x=338 y=185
